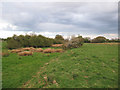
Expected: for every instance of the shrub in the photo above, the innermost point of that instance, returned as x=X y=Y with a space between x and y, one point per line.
x=57 y=41
x=73 y=43
x=75 y=76
x=13 y=44
x=28 y=41
x=99 y=39
x=51 y=77
x=59 y=37
x=87 y=40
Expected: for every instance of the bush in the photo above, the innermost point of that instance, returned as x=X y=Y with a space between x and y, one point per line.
x=87 y=40
x=73 y=43
x=99 y=39
x=57 y=41
x=13 y=44
x=59 y=37
x=28 y=41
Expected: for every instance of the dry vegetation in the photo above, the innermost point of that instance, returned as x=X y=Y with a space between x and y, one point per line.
x=59 y=50
x=5 y=54
x=57 y=45
x=108 y=43
x=49 y=50
x=90 y=66
x=27 y=48
x=30 y=50
x=38 y=50
x=25 y=53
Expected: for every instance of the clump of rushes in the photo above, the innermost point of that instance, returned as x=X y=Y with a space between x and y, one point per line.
x=50 y=78
x=75 y=76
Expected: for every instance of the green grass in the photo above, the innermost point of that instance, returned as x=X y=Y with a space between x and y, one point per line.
x=89 y=66
x=4 y=45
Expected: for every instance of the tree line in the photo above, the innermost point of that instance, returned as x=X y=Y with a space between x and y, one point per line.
x=36 y=41
x=100 y=39
x=32 y=40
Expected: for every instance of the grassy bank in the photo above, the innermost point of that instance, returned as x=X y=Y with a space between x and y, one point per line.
x=92 y=65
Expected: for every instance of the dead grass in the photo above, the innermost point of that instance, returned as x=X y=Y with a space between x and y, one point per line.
x=39 y=50
x=57 y=45
x=32 y=50
x=59 y=50
x=16 y=50
x=27 y=48
x=25 y=53
x=22 y=49
x=108 y=43
x=49 y=50
x=5 y=54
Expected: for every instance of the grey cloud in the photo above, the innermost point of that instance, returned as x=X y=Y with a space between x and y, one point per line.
x=96 y=18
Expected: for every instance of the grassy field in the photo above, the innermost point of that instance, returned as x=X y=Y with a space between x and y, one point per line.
x=92 y=65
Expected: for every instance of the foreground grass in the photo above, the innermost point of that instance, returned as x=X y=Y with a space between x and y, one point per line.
x=17 y=70
x=92 y=65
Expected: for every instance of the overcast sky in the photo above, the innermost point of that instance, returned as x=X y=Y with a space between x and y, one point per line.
x=65 y=18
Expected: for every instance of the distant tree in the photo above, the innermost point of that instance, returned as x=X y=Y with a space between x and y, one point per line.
x=66 y=40
x=107 y=40
x=28 y=41
x=99 y=39
x=57 y=41
x=59 y=37
x=9 y=38
x=80 y=38
x=87 y=40
x=13 y=44
x=114 y=40
x=3 y=39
